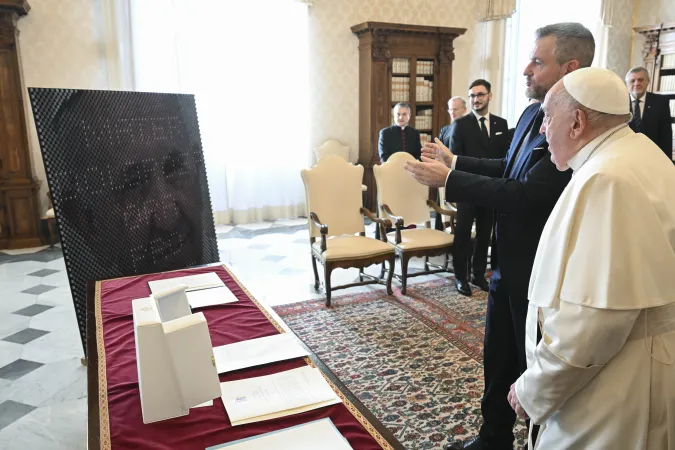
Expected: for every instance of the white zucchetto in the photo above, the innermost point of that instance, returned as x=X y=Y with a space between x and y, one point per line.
x=599 y=90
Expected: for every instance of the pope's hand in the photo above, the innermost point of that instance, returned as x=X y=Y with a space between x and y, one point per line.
x=438 y=151
x=430 y=172
x=515 y=403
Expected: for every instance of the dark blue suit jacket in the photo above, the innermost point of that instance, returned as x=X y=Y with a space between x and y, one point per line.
x=522 y=188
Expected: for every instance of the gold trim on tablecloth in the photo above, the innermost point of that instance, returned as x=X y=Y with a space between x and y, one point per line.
x=104 y=419
x=103 y=382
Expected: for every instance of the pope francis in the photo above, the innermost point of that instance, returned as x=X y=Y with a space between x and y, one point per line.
x=602 y=291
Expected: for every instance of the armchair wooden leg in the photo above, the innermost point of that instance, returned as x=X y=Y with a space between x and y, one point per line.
x=392 y=261
x=316 y=274
x=326 y=274
x=404 y=273
x=382 y=270
x=426 y=263
x=361 y=274
x=447 y=262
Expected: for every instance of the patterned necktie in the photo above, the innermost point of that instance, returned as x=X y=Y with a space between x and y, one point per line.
x=403 y=139
x=637 y=116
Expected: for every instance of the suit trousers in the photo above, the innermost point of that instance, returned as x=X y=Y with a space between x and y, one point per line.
x=504 y=361
x=461 y=259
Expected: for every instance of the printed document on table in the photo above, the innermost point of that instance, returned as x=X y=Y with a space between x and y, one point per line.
x=256 y=352
x=277 y=395
x=319 y=434
x=205 y=289
x=194 y=282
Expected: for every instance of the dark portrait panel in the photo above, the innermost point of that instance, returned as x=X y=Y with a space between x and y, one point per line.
x=128 y=183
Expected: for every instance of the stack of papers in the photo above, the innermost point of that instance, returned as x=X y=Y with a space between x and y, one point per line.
x=277 y=395
x=256 y=352
x=320 y=434
x=205 y=289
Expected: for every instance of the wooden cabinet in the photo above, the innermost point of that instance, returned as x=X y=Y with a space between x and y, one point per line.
x=18 y=189
x=388 y=54
x=658 y=56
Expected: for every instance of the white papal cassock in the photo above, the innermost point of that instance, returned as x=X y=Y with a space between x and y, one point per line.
x=603 y=292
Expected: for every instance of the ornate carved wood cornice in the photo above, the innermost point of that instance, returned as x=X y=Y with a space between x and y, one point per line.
x=396 y=28
x=21 y=7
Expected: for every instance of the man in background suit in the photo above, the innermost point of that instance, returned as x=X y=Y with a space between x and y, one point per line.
x=523 y=188
x=457 y=109
x=651 y=112
x=399 y=137
x=479 y=135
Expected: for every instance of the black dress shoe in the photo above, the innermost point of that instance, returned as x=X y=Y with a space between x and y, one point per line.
x=481 y=283
x=463 y=287
x=475 y=443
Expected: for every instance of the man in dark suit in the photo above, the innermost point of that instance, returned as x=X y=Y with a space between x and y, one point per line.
x=456 y=109
x=479 y=135
x=523 y=188
x=399 y=137
x=651 y=112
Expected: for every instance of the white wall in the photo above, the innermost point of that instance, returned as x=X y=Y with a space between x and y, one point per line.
x=61 y=46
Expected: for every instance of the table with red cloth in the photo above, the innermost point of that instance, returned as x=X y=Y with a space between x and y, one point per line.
x=115 y=419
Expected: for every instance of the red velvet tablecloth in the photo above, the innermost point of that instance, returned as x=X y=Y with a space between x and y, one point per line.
x=122 y=424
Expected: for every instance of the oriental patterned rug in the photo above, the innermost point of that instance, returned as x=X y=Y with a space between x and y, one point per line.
x=414 y=360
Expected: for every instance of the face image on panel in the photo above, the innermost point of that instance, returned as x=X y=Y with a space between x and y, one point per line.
x=128 y=182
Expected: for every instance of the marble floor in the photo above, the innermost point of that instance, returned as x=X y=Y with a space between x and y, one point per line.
x=42 y=382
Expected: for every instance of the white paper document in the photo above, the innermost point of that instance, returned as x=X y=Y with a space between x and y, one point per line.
x=320 y=434
x=277 y=395
x=256 y=352
x=205 y=289
x=194 y=282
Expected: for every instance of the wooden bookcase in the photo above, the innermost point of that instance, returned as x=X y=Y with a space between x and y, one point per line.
x=389 y=53
x=18 y=188
x=659 y=59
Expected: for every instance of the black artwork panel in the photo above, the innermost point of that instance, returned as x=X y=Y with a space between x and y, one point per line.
x=128 y=183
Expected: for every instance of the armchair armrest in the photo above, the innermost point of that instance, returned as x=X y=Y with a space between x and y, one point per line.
x=448 y=212
x=382 y=223
x=323 y=229
x=398 y=221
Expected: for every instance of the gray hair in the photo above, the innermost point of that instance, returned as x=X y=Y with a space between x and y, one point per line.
x=595 y=119
x=637 y=69
x=573 y=42
x=402 y=105
x=458 y=98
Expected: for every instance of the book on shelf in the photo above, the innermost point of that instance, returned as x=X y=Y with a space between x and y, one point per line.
x=667 y=83
x=400 y=89
x=423 y=90
x=423 y=122
x=672 y=107
x=401 y=65
x=425 y=137
x=668 y=61
x=425 y=67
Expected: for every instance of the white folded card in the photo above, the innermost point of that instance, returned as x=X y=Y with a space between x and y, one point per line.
x=176 y=367
x=319 y=434
x=277 y=395
x=256 y=352
x=204 y=289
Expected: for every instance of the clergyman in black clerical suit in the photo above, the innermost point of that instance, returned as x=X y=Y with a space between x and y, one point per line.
x=651 y=112
x=399 y=137
x=479 y=134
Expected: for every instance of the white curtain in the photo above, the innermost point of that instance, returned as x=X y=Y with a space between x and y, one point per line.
x=533 y=14
x=247 y=64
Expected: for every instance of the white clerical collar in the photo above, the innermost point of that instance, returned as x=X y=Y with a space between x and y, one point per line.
x=585 y=153
x=478 y=116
